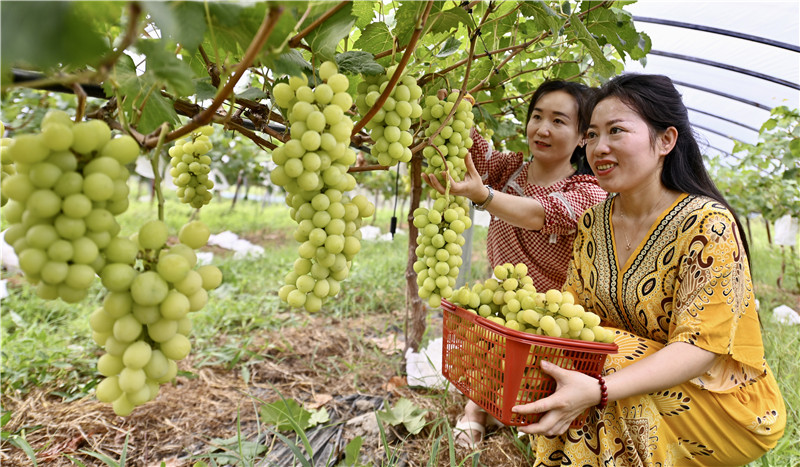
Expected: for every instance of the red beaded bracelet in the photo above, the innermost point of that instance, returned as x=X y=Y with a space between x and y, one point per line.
x=603 y=391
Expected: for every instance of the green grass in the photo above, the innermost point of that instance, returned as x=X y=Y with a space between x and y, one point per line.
x=48 y=343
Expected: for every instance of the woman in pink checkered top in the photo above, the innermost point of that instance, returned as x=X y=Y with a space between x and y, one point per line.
x=535 y=206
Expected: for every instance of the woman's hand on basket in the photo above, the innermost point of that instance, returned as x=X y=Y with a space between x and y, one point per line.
x=575 y=392
x=471 y=187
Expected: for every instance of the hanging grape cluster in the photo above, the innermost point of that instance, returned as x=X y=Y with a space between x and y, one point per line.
x=510 y=299
x=7 y=162
x=442 y=226
x=190 y=166
x=313 y=169
x=439 y=245
x=144 y=324
x=390 y=127
x=67 y=184
x=485 y=131
x=452 y=144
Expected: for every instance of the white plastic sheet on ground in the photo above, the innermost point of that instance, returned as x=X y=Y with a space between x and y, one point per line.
x=424 y=368
x=786 y=315
x=8 y=258
x=230 y=241
x=372 y=233
x=786 y=231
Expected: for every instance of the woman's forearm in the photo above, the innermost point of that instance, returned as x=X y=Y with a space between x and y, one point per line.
x=674 y=364
x=518 y=211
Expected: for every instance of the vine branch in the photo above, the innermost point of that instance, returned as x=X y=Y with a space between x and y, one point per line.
x=264 y=31
x=397 y=72
x=294 y=42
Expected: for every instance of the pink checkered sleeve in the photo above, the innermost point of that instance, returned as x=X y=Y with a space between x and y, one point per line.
x=494 y=166
x=564 y=207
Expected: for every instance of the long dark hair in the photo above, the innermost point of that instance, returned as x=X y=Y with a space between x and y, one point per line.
x=655 y=99
x=582 y=95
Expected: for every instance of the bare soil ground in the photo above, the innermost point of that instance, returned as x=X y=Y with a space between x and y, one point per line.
x=328 y=363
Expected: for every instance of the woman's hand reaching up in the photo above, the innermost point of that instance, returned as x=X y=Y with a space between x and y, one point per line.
x=471 y=187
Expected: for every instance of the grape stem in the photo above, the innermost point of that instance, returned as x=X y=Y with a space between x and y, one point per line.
x=154 y=158
x=81 y=94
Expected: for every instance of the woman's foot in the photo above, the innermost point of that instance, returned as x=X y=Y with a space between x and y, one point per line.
x=469 y=434
x=471 y=427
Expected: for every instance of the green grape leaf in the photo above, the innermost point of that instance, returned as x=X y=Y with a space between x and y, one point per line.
x=364 y=13
x=601 y=63
x=794 y=147
x=290 y=63
x=375 y=38
x=156 y=111
x=280 y=412
x=566 y=70
x=324 y=39
x=166 y=66
x=544 y=17
x=142 y=102
x=450 y=46
x=204 y=89
x=447 y=20
x=768 y=125
x=405 y=412
x=479 y=71
x=358 y=62
x=319 y=416
x=406 y=17
x=68 y=35
x=615 y=26
x=123 y=76
x=233 y=28
x=482 y=115
x=183 y=22
x=253 y=94
x=507 y=130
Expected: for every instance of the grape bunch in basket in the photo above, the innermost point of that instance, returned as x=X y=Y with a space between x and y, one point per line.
x=510 y=299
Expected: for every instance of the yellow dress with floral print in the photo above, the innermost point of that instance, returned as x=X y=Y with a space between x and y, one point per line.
x=689 y=281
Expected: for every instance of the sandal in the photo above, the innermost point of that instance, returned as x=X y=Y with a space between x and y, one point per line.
x=464 y=433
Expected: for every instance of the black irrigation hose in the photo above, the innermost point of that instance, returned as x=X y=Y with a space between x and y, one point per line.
x=393 y=225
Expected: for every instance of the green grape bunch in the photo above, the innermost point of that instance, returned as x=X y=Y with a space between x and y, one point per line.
x=510 y=299
x=7 y=162
x=68 y=182
x=441 y=228
x=485 y=131
x=451 y=145
x=144 y=322
x=312 y=166
x=439 y=246
x=390 y=127
x=190 y=166
x=317 y=155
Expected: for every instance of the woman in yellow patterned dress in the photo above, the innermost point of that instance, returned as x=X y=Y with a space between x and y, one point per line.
x=664 y=262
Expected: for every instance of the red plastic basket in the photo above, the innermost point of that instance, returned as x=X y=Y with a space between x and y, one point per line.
x=498 y=368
